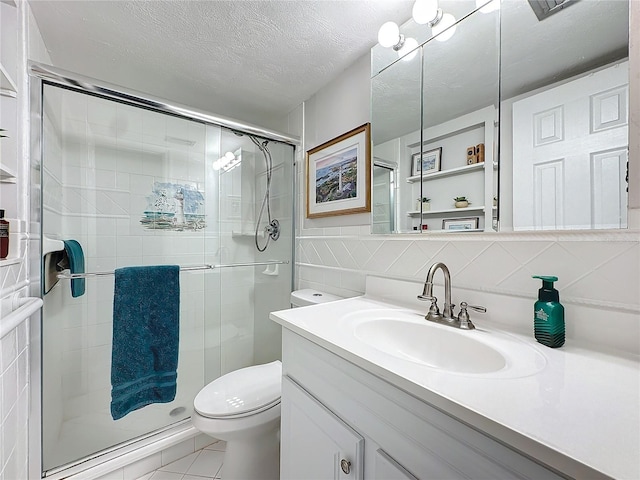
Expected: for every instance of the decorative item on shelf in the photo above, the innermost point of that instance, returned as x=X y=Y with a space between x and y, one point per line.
x=461 y=202
x=338 y=175
x=423 y=204
x=460 y=224
x=426 y=162
x=475 y=154
x=480 y=152
x=471 y=155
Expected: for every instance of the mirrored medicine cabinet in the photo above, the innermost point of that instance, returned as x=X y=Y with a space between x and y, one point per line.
x=517 y=122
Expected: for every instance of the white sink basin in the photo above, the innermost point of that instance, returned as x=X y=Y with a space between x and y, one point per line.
x=435 y=347
x=405 y=336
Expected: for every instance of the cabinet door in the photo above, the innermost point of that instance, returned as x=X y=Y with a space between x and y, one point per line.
x=386 y=468
x=316 y=444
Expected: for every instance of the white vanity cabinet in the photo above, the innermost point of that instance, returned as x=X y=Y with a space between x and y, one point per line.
x=332 y=410
x=317 y=442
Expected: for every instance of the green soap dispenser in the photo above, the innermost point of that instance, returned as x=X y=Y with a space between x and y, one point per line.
x=548 y=314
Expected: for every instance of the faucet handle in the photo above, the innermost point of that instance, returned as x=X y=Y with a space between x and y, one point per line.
x=477 y=308
x=434 y=311
x=463 y=316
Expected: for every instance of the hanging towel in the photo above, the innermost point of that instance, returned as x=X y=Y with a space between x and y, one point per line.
x=74 y=261
x=146 y=311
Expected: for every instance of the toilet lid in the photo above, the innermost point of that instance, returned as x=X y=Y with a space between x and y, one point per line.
x=243 y=391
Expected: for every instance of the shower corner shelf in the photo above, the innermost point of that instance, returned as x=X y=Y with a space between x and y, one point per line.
x=241 y=234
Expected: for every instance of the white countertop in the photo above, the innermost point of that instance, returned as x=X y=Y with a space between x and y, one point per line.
x=577 y=410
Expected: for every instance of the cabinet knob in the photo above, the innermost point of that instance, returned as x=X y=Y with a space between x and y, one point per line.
x=345 y=466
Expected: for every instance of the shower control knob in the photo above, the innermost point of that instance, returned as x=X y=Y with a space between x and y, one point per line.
x=345 y=466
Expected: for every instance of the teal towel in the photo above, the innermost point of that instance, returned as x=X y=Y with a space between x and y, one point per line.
x=75 y=257
x=144 y=360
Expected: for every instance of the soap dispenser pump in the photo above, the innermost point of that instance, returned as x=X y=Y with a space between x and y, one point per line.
x=548 y=314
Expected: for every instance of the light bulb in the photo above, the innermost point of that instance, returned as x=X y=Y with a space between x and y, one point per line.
x=424 y=11
x=439 y=30
x=229 y=156
x=409 y=50
x=389 y=34
x=488 y=7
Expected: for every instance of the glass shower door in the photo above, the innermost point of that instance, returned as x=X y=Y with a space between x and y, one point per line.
x=132 y=187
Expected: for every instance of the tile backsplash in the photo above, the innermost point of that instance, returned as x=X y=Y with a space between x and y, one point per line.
x=598 y=270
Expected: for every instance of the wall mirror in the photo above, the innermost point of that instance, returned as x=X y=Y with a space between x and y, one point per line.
x=549 y=88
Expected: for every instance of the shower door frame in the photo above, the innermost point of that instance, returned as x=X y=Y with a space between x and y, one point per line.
x=39 y=75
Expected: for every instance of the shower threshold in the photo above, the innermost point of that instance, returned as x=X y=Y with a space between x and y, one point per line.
x=126 y=453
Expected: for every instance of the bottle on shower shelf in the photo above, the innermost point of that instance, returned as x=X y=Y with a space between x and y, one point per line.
x=4 y=236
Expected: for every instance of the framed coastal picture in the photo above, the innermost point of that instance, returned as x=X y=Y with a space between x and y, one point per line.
x=426 y=162
x=460 y=224
x=338 y=175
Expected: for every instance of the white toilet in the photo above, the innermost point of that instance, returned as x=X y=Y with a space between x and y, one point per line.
x=243 y=409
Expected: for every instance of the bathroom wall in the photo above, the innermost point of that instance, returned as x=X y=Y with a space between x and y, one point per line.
x=598 y=271
x=19 y=39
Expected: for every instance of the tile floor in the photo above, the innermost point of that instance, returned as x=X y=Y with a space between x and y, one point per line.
x=205 y=464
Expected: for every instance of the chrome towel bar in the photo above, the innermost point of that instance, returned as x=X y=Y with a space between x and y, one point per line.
x=207 y=266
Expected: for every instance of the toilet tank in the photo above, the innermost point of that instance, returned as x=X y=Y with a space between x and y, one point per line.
x=309 y=296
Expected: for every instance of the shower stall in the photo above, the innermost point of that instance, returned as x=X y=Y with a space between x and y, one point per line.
x=139 y=182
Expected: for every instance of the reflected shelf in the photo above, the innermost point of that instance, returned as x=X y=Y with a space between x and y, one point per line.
x=446 y=173
x=416 y=213
x=8 y=87
x=7 y=175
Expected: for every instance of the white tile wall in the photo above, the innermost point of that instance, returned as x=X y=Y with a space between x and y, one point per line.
x=14 y=388
x=595 y=269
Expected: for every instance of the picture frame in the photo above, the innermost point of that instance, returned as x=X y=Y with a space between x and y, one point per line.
x=426 y=162
x=339 y=175
x=460 y=224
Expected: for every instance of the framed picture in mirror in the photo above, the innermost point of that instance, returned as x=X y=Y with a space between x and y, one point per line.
x=426 y=162
x=460 y=224
x=338 y=175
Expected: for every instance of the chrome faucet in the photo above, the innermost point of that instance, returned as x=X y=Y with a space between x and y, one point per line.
x=446 y=317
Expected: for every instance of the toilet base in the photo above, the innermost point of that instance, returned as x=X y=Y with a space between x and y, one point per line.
x=257 y=459
x=253 y=444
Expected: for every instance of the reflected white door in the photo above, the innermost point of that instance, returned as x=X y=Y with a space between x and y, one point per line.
x=570 y=154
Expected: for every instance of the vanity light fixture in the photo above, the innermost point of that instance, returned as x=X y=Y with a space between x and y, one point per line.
x=389 y=36
x=409 y=50
x=425 y=12
x=445 y=28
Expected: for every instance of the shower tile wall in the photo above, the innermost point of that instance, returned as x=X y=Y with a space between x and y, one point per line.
x=101 y=161
x=249 y=294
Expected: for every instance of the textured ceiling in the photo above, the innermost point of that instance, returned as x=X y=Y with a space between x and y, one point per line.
x=250 y=60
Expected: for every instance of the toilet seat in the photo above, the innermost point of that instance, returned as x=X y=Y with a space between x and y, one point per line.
x=241 y=393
